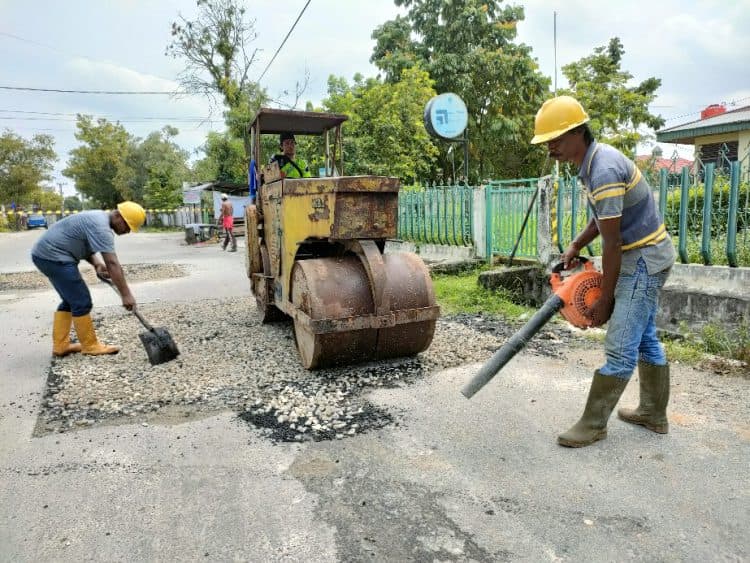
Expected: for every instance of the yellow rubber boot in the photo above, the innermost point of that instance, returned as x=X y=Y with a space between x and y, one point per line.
x=61 y=324
x=89 y=342
x=652 y=407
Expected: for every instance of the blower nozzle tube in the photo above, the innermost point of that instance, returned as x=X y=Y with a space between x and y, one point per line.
x=513 y=346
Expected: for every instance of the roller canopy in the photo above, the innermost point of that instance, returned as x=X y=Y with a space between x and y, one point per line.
x=270 y=121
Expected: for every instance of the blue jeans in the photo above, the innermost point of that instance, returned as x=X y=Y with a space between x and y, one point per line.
x=631 y=332
x=67 y=281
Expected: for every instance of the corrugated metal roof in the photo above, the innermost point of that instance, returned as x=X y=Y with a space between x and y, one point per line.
x=728 y=122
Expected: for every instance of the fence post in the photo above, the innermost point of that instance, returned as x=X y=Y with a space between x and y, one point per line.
x=683 y=232
x=478 y=219
x=708 y=191
x=663 y=192
x=545 y=244
x=734 y=196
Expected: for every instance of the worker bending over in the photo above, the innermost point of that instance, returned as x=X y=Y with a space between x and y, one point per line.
x=56 y=254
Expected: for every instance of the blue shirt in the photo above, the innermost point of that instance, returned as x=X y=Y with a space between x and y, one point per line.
x=76 y=237
x=615 y=187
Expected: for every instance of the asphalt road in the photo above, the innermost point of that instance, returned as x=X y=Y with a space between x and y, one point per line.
x=450 y=480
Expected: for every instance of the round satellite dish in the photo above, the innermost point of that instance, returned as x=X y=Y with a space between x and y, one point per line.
x=445 y=116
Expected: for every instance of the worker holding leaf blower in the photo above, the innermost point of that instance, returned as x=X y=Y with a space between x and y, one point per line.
x=637 y=255
x=57 y=253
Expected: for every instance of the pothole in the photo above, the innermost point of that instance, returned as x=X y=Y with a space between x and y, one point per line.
x=229 y=361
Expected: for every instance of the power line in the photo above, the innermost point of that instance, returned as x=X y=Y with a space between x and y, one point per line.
x=284 y=41
x=57 y=50
x=108 y=92
x=125 y=120
x=72 y=117
x=693 y=113
x=105 y=116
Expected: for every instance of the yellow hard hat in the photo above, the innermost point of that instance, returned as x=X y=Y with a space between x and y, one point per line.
x=133 y=214
x=557 y=116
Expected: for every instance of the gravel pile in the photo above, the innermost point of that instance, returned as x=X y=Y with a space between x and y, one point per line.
x=230 y=361
x=133 y=273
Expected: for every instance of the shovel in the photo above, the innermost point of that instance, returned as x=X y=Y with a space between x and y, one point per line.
x=158 y=343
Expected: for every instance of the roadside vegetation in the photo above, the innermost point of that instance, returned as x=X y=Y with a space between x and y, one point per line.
x=461 y=293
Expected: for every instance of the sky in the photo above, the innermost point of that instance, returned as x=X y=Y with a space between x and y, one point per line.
x=697 y=47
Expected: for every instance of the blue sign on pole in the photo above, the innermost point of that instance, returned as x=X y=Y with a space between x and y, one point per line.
x=446 y=116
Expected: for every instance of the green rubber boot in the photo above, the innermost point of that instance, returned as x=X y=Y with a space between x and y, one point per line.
x=603 y=396
x=652 y=407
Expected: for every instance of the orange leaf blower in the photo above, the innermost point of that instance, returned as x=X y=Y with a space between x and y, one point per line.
x=572 y=295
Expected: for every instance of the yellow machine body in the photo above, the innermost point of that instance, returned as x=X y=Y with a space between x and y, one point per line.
x=315 y=254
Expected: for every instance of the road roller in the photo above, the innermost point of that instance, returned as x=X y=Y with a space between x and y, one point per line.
x=315 y=253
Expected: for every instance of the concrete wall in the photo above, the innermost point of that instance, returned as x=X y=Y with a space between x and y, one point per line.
x=693 y=296
x=696 y=295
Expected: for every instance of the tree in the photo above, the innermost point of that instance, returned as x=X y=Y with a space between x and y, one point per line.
x=24 y=164
x=45 y=200
x=72 y=203
x=224 y=160
x=385 y=134
x=468 y=48
x=216 y=50
x=617 y=111
x=159 y=169
x=99 y=166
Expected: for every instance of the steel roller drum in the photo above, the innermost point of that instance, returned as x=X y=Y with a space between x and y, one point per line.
x=356 y=321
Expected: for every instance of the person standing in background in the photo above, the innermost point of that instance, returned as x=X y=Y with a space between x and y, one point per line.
x=227 y=221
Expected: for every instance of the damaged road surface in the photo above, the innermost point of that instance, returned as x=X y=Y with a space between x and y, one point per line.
x=233 y=452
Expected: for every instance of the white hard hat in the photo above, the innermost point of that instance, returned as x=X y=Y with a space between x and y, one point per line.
x=224 y=196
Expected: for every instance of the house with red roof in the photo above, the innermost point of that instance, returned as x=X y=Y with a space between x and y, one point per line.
x=655 y=162
x=719 y=134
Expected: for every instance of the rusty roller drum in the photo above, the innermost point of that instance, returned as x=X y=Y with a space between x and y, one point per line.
x=354 y=309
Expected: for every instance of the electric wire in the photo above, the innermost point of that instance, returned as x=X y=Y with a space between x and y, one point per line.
x=284 y=41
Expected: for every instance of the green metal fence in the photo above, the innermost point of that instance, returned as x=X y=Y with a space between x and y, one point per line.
x=436 y=214
x=511 y=217
x=706 y=209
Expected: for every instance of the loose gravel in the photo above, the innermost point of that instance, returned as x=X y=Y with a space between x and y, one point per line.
x=229 y=360
x=133 y=273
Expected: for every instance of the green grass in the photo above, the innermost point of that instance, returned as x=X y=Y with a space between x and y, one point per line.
x=460 y=293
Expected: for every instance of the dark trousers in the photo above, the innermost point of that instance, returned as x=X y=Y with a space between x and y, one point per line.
x=229 y=237
x=67 y=281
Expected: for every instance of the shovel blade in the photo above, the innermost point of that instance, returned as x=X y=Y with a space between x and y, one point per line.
x=159 y=346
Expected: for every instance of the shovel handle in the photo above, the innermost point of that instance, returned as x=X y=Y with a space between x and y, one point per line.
x=135 y=311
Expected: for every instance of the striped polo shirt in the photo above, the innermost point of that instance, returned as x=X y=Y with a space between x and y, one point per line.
x=615 y=187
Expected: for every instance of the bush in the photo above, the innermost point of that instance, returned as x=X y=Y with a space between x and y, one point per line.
x=719 y=205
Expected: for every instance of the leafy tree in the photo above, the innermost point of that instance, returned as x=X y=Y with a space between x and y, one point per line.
x=24 y=164
x=468 y=48
x=224 y=160
x=46 y=200
x=394 y=49
x=73 y=203
x=216 y=50
x=617 y=110
x=159 y=167
x=99 y=166
x=385 y=134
